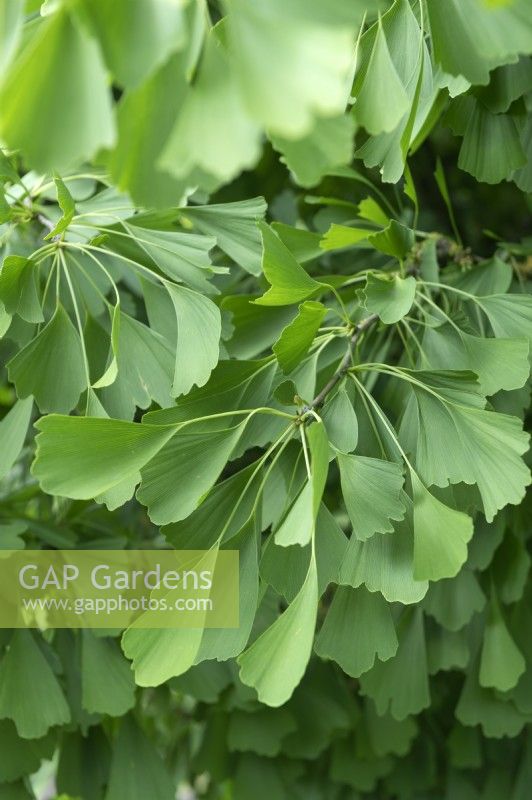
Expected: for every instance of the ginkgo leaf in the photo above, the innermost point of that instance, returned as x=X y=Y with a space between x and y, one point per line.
x=491 y=149
x=381 y=100
x=329 y=144
x=285 y=568
x=183 y=470
x=60 y=81
x=50 y=367
x=372 y=491
x=158 y=654
x=341 y=422
x=468 y=444
x=96 y=454
x=234 y=225
x=479 y=706
x=510 y=315
x=441 y=535
x=453 y=602
x=183 y=257
x=339 y=236
x=286 y=93
x=299 y=524
x=295 y=340
x=261 y=732
x=395 y=240
x=276 y=661
x=289 y=281
x=471 y=37
x=30 y=694
x=137 y=769
x=357 y=630
x=221 y=150
x=227 y=643
x=106 y=678
x=13 y=429
x=501 y=661
x=400 y=684
x=151 y=29
x=499 y=363
x=11 y=29
x=67 y=206
x=391 y=297
x=447 y=650
x=385 y=564
x=18 y=288
x=145 y=363
x=198 y=338
x=21 y=756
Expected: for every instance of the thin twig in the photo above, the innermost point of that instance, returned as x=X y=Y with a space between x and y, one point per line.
x=345 y=363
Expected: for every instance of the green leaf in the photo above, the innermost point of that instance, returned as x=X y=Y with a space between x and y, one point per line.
x=329 y=144
x=160 y=654
x=151 y=29
x=339 y=236
x=391 y=297
x=10 y=535
x=234 y=225
x=496 y=716
x=501 y=661
x=491 y=149
x=21 y=756
x=396 y=240
x=67 y=206
x=198 y=338
x=260 y=732
x=289 y=281
x=381 y=100
x=309 y=73
x=400 y=684
x=58 y=80
x=133 y=162
x=467 y=443
x=453 y=603
x=137 y=769
x=11 y=19
x=106 y=678
x=389 y=736
x=223 y=149
x=357 y=630
x=50 y=367
x=18 y=288
x=145 y=366
x=341 y=422
x=299 y=524
x=13 y=429
x=285 y=568
x=184 y=257
x=385 y=564
x=30 y=694
x=276 y=662
x=185 y=468
x=295 y=340
x=510 y=315
x=499 y=363
x=372 y=491
x=441 y=535
x=227 y=643
x=95 y=454
x=470 y=39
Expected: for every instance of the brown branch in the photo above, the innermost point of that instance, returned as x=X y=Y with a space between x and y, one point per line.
x=345 y=363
